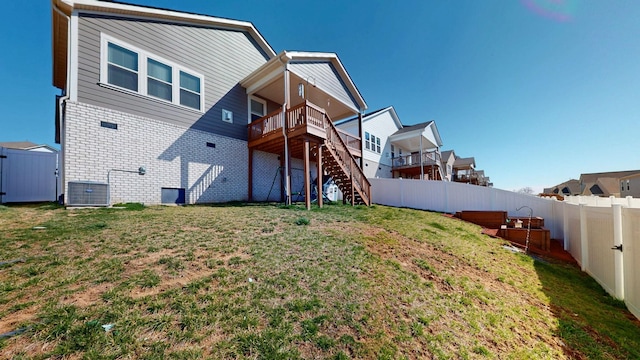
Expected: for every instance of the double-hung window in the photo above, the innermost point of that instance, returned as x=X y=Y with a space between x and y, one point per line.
x=122 y=67
x=189 y=90
x=159 y=80
x=126 y=67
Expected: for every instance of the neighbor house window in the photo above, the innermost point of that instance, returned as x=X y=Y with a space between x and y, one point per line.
x=126 y=67
x=627 y=185
x=372 y=142
x=621 y=185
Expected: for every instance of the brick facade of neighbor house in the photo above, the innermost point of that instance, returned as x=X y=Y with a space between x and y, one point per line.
x=174 y=157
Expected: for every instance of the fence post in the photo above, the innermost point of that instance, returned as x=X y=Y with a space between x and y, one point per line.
x=629 y=201
x=565 y=226
x=584 y=241
x=618 y=259
x=401 y=194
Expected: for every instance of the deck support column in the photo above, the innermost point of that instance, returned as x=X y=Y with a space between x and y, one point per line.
x=353 y=194
x=251 y=175
x=307 y=175
x=319 y=193
x=361 y=140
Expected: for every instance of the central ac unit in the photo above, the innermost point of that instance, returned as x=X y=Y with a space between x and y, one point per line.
x=88 y=193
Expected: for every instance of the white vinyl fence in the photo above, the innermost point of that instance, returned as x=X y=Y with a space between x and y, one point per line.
x=602 y=234
x=28 y=176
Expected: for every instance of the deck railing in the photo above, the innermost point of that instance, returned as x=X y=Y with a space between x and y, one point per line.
x=304 y=114
x=360 y=182
x=429 y=157
x=352 y=142
x=266 y=125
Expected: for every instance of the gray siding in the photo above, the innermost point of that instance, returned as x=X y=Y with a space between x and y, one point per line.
x=325 y=76
x=224 y=57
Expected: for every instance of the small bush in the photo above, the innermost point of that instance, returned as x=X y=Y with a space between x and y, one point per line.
x=303 y=221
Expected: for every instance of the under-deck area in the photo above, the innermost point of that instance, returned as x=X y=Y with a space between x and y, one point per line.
x=311 y=136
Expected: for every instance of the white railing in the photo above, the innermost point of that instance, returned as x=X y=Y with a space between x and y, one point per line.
x=590 y=227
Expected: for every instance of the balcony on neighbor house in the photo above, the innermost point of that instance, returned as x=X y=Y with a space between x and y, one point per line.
x=303 y=120
x=415 y=164
x=468 y=176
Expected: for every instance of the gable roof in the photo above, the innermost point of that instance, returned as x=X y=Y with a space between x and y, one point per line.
x=464 y=162
x=62 y=8
x=593 y=177
x=569 y=187
x=368 y=116
x=304 y=63
x=406 y=129
x=447 y=154
x=421 y=128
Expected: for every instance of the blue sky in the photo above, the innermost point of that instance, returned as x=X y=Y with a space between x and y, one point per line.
x=538 y=91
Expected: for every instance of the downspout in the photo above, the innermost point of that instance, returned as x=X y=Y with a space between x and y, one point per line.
x=62 y=99
x=421 y=161
x=284 y=133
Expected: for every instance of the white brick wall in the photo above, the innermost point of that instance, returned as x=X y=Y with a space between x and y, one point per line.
x=174 y=157
x=265 y=169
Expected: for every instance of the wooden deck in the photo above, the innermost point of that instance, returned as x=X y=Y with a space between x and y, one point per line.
x=309 y=132
x=304 y=121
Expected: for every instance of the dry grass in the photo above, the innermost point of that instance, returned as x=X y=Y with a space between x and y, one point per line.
x=262 y=281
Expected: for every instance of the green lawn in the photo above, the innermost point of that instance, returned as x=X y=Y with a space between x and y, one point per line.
x=271 y=282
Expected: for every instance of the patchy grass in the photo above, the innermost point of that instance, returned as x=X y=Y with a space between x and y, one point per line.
x=247 y=281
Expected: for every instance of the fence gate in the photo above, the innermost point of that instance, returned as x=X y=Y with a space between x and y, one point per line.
x=28 y=176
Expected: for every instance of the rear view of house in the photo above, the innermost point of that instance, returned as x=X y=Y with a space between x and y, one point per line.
x=157 y=103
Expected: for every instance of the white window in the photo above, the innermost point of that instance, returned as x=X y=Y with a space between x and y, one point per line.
x=189 y=90
x=159 y=80
x=372 y=142
x=128 y=68
x=257 y=108
x=122 y=67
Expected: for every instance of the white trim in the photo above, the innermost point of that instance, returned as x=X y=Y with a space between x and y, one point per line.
x=73 y=57
x=143 y=57
x=256 y=99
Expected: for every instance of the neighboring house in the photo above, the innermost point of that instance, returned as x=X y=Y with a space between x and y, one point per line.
x=604 y=184
x=393 y=150
x=630 y=186
x=200 y=104
x=567 y=188
x=418 y=152
x=464 y=170
x=377 y=152
x=448 y=158
x=28 y=145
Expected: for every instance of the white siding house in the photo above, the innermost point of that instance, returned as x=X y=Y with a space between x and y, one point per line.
x=377 y=152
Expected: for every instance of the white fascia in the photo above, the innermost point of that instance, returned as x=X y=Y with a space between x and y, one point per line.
x=73 y=58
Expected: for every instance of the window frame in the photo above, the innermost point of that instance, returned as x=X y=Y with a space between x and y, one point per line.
x=372 y=143
x=143 y=74
x=250 y=111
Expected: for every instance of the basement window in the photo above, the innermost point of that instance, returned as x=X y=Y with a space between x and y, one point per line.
x=109 y=125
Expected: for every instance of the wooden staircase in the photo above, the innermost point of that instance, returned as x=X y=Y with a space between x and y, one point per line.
x=340 y=164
